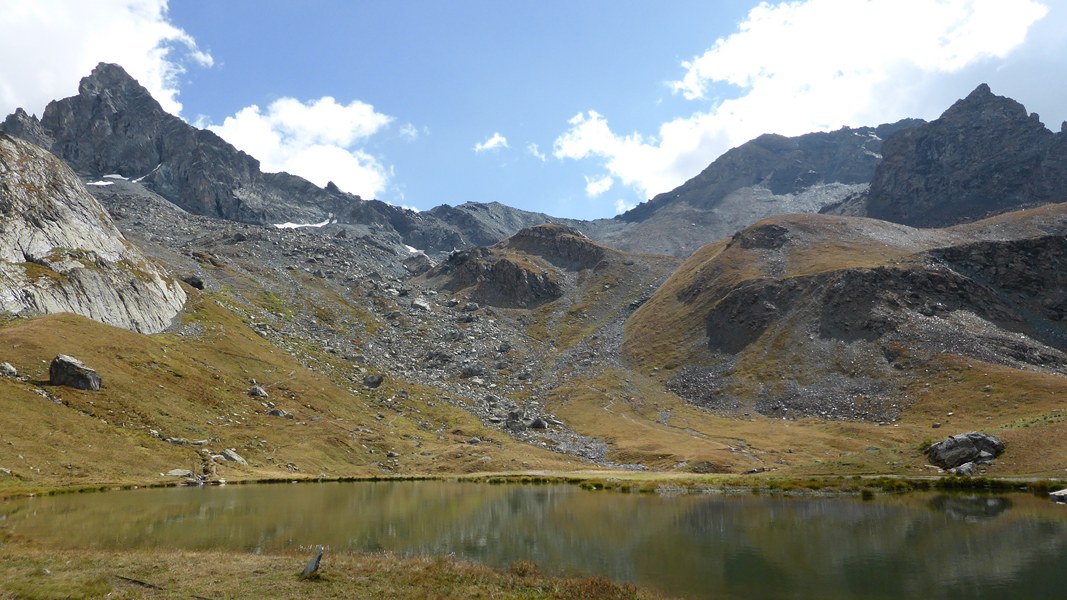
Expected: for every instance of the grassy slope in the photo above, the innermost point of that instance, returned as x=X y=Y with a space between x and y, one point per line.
x=647 y=424
x=196 y=388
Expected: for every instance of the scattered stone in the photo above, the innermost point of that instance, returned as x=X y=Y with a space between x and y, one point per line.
x=8 y=370
x=936 y=425
x=313 y=565
x=538 y=423
x=277 y=412
x=964 y=448
x=194 y=281
x=392 y=454
x=421 y=304
x=5 y=471
x=373 y=381
x=71 y=372
x=185 y=473
x=967 y=469
x=257 y=391
x=231 y=455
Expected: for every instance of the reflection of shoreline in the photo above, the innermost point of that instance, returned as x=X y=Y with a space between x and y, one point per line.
x=698 y=546
x=970 y=508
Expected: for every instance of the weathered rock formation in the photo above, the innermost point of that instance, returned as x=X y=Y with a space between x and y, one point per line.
x=60 y=251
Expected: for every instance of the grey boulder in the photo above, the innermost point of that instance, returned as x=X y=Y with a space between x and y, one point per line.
x=972 y=447
x=71 y=372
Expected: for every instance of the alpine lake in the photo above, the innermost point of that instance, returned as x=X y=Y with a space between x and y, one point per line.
x=706 y=545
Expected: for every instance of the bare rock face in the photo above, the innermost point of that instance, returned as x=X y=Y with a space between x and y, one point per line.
x=60 y=251
x=71 y=372
x=984 y=155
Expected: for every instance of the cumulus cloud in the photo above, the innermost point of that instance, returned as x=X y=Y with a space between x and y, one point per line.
x=596 y=186
x=495 y=142
x=51 y=44
x=793 y=68
x=317 y=140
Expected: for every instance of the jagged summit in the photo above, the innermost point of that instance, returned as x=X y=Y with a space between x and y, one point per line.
x=985 y=154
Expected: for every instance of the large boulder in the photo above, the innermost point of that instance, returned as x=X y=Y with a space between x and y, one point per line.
x=972 y=447
x=71 y=372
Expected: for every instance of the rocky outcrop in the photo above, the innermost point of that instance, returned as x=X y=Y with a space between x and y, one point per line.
x=965 y=448
x=563 y=246
x=984 y=155
x=71 y=372
x=507 y=281
x=524 y=271
x=60 y=251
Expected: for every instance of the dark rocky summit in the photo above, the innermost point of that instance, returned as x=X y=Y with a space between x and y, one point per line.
x=984 y=155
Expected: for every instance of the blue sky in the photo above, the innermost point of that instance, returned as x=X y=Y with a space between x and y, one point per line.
x=577 y=109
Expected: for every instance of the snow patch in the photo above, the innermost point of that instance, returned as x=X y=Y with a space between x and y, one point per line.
x=138 y=180
x=100 y=183
x=115 y=176
x=413 y=250
x=328 y=220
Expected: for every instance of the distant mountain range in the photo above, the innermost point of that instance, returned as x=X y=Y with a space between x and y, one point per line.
x=984 y=152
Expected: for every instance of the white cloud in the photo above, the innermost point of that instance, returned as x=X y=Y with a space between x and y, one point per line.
x=409 y=132
x=535 y=151
x=317 y=140
x=622 y=206
x=51 y=44
x=596 y=186
x=798 y=67
x=496 y=141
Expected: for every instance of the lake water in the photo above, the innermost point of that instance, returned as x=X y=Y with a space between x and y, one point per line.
x=696 y=546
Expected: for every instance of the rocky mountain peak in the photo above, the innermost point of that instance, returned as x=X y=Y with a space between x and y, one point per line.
x=985 y=154
x=982 y=106
x=111 y=81
x=28 y=127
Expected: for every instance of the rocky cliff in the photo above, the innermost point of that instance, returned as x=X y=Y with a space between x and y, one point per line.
x=984 y=155
x=60 y=252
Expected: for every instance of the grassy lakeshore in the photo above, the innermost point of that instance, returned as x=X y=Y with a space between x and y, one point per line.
x=28 y=571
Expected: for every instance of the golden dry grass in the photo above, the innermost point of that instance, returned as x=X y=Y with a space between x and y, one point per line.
x=31 y=572
x=196 y=388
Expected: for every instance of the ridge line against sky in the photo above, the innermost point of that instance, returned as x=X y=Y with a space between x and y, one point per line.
x=574 y=109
